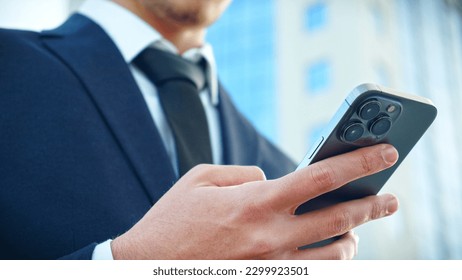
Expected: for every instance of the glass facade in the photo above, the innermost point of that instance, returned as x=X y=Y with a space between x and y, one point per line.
x=318 y=77
x=33 y=15
x=316 y=16
x=378 y=17
x=432 y=47
x=243 y=41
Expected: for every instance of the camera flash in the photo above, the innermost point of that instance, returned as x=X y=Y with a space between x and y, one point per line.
x=391 y=108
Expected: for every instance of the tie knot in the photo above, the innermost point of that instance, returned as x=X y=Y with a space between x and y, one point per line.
x=161 y=67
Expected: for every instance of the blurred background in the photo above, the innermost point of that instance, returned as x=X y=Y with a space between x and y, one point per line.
x=288 y=66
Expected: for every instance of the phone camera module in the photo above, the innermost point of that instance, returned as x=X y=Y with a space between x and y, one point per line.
x=391 y=108
x=353 y=132
x=369 y=110
x=381 y=126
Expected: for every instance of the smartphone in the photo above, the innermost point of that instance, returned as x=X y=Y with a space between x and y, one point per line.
x=370 y=114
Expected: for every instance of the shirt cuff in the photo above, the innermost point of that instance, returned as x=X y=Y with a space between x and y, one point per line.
x=103 y=251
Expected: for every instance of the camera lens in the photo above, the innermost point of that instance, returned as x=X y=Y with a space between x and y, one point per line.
x=353 y=132
x=369 y=110
x=381 y=125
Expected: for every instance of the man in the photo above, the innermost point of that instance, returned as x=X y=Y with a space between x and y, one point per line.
x=89 y=158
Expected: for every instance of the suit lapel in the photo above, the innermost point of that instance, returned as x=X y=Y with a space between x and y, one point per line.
x=94 y=58
x=240 y=141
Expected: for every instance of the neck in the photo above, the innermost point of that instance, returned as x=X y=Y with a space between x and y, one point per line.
x=184 y=37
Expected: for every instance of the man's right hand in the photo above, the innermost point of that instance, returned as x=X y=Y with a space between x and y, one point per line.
x=233 y=212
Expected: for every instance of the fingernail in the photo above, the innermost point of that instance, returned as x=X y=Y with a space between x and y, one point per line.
x=389 y=154
x=392 y=205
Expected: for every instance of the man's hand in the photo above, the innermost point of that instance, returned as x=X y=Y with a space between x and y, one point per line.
x=233 y=212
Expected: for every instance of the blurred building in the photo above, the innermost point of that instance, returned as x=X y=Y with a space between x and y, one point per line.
x=35 y=15
x=289 y=64
x=244 y=44
x=322 y=50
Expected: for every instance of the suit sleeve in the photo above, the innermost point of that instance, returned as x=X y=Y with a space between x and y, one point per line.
x=244 y=145
x=82 y=254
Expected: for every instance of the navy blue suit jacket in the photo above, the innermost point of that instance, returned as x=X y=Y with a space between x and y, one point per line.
x=81 y=160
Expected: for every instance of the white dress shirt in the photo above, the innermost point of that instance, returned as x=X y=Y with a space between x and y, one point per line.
x=132 y=35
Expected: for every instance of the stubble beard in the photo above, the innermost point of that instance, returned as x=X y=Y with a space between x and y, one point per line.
x=186 y=15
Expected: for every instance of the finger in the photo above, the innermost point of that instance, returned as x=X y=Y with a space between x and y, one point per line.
x=223 y=175
x=344 y=248
x=329 y=174
x=338 y=219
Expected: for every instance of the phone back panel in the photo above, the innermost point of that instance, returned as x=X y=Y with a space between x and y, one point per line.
x=407 y=127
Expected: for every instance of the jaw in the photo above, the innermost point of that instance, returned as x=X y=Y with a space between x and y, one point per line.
x=183 y=23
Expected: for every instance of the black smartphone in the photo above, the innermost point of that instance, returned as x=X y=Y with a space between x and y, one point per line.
x=370 y=114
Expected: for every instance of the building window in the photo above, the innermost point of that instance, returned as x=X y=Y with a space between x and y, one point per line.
x=251 y=78
x=316 y=16
x=379 y=18
x=318 y=77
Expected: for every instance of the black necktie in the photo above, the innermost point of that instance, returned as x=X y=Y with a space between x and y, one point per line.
x=178 y=82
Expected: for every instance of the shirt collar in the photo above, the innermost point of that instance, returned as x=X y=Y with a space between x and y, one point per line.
x=119 y=24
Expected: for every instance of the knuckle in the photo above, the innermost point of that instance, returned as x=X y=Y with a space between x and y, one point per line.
x=344 y=249
x=258 y=172
x=340 y=253
x=366 y=163
x=340 y=222
x=323 y=175
x=200 y=172
x=263 y=247
x=203 y=166
x=201 y=169
x=376 y=211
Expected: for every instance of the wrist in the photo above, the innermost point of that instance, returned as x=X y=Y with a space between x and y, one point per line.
x=124 y=249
